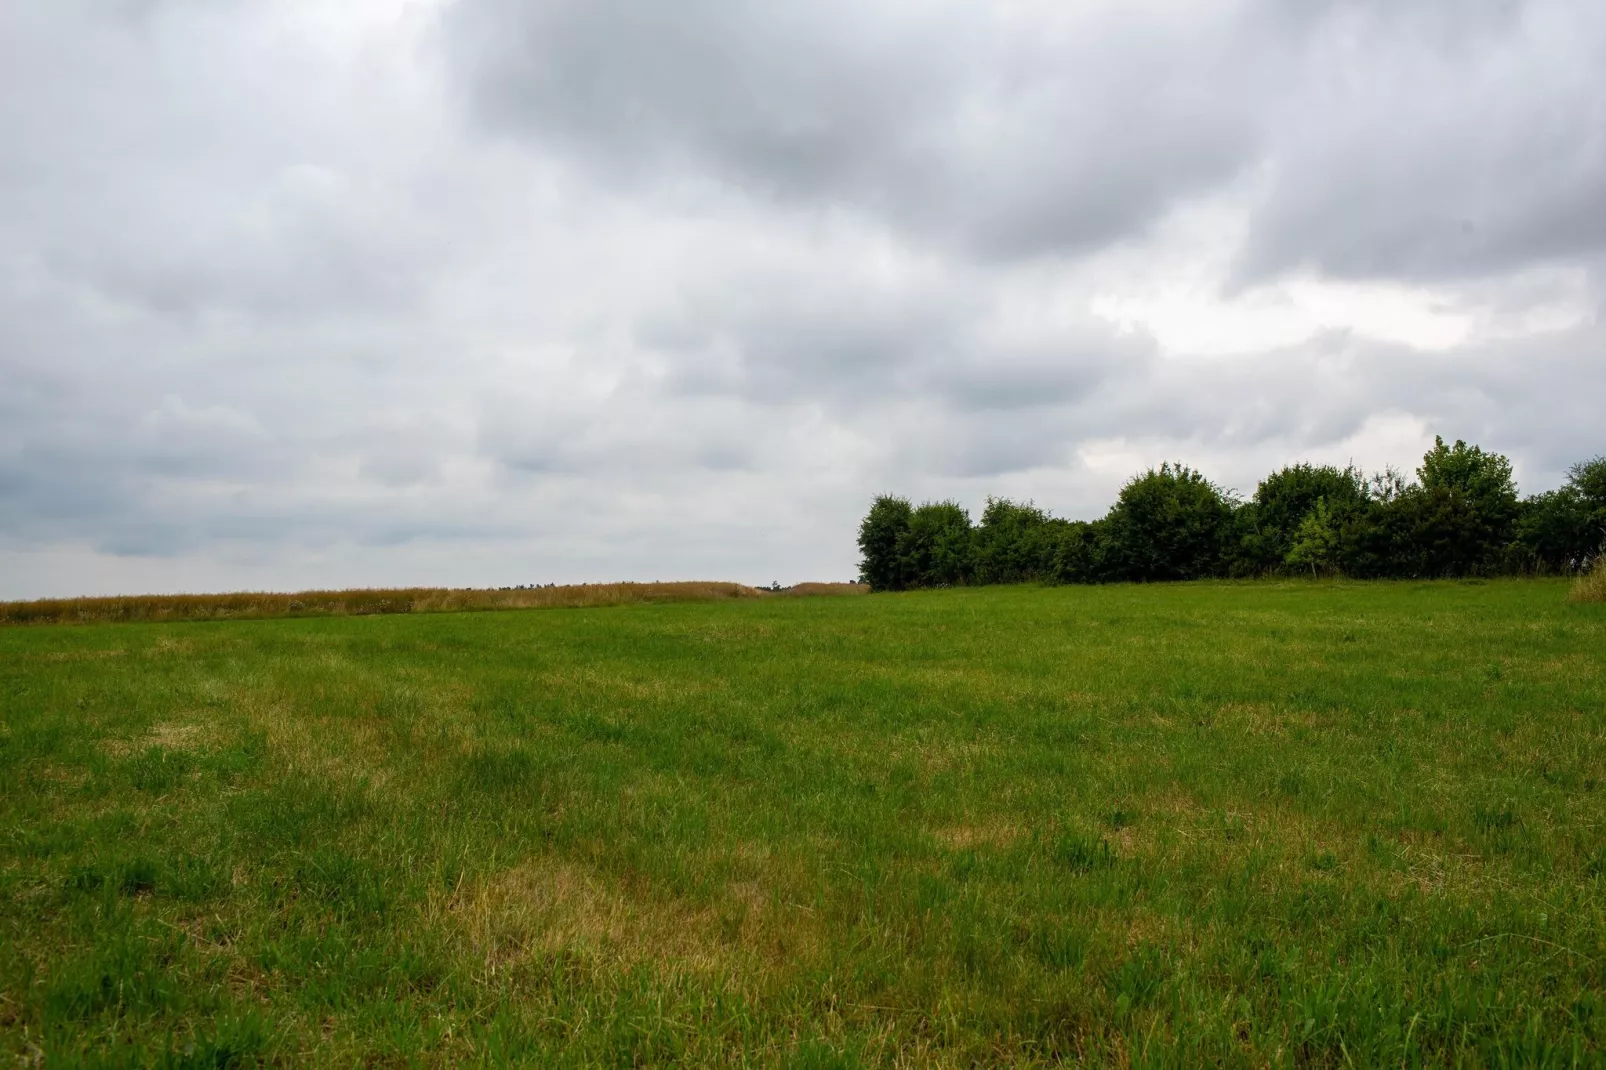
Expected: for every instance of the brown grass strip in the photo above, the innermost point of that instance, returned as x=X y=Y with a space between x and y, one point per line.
x=258 y=605
x=828 y=588
x=1591 y=588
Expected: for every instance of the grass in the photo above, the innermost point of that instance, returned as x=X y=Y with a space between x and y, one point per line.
x=1591 y=587
x=1307 y=824
x=259 y=605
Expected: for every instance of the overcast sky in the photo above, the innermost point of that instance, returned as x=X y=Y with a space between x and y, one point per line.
x=484 y=292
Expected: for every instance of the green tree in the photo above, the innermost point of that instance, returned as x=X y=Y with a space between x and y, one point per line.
x=880 y=535
x=1171 y=523
x=1587 y=479
x=1553 y=532
x=1083 y=552
x=1015 y=543
x=1315 y=541
x=1484 y=479
x=935 y=549
x=1562 y=530
x=1270 y=522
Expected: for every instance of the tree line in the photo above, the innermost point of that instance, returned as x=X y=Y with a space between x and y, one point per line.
x=1460 y=516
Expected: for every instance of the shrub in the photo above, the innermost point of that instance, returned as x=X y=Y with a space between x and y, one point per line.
x=1082 y=552
x=1171 y=523
x=1483 y=483
x=880 y=535
x=1015 y=543
x=1315 y=543
x=1269 y=524
x=935 y=548
x=1553 y=533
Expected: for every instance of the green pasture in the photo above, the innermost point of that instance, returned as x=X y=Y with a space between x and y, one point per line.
x=1301 y=824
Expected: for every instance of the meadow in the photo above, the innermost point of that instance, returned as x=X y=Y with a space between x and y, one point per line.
x=365 y=602
x=1256 y=824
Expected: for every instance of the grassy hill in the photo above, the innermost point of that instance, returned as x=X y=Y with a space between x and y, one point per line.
x=1237 y=824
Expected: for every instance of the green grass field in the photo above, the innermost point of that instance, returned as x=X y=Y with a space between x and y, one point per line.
x=1301 y=824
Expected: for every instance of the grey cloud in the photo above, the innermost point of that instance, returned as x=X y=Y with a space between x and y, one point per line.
x=1006 y=137
x=581 y=438
x=306 y=242
x=783 y=338
x=1427 y=142
x=1433 y=140
x=268 y=289
x=858 y=340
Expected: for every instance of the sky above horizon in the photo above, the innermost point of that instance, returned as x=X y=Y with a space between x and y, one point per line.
x=487 y=292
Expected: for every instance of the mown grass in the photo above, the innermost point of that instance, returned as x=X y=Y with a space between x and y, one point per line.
x=1300 y=824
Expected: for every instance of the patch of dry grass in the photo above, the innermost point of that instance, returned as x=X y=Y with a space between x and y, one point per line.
x=550 y=905
x=992 y=833
x=1591 y=588
x=828 y=588
x=255 y=605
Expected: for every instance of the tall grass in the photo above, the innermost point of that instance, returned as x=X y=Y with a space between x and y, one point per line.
x=1591 y=587
x=256 y=605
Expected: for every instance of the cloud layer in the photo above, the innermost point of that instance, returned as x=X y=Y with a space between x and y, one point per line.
x=489 y=291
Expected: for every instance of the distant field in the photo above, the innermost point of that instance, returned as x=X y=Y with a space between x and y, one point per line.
x=1233 y=824
x=363 y=602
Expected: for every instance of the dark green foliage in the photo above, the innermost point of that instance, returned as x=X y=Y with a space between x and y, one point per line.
x=1171 y=523
x=1463 y=518
x=1082 y=552
x=1552 y=533
x=1269 y=524
x=880 y=536
x=1484 y=479
x=1424 y=533
x=1563 y=530
x=1587 y=479
x=1015 y=543
x=935 y=548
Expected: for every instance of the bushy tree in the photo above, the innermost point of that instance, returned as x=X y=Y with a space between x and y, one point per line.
x=1458 y=521
x=1587 y=479
x=1015 y=543
x=1564 y=529
x=1315 y=542
x=1483 y=482
x=1083 y=552
x=935 y=549
x=880 y=535
x=1553 y=533
x=1420 y=533
x=1485 y=478
x=1269 y=523
x=1171 y=523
